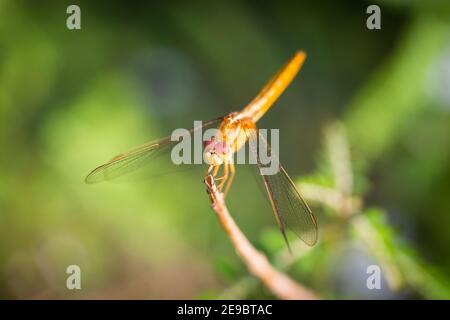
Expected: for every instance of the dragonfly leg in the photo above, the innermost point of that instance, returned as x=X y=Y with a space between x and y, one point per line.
x=224 y=177
x=231 y=164
x=230 y=180
x=215 y=171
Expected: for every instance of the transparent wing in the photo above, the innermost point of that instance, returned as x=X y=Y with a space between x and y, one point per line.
x=289 y=207
x=136 y=158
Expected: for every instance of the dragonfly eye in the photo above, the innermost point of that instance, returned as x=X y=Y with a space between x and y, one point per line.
x=214 y=147
x=209 y=143
x=221 y=147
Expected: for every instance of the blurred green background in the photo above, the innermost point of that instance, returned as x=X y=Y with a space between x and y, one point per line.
x=369 y=105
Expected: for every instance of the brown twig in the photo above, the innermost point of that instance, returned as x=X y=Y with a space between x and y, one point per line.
x=277 y=282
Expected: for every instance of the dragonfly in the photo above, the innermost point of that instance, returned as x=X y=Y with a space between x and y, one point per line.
x=235 y=130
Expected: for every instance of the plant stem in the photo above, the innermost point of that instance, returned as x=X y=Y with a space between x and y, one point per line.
x=280 y=284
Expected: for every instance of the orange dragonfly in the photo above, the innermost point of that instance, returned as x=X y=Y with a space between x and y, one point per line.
x=236 y=129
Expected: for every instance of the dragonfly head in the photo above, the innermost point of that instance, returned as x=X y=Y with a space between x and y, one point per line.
x=215 y=152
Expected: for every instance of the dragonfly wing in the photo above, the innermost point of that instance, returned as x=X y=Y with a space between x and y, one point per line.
x=136 y=158
x=290 y=209
x=289 y=206
x=125 y=163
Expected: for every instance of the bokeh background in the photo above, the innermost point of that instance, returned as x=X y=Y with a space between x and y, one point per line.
x=365 y=132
